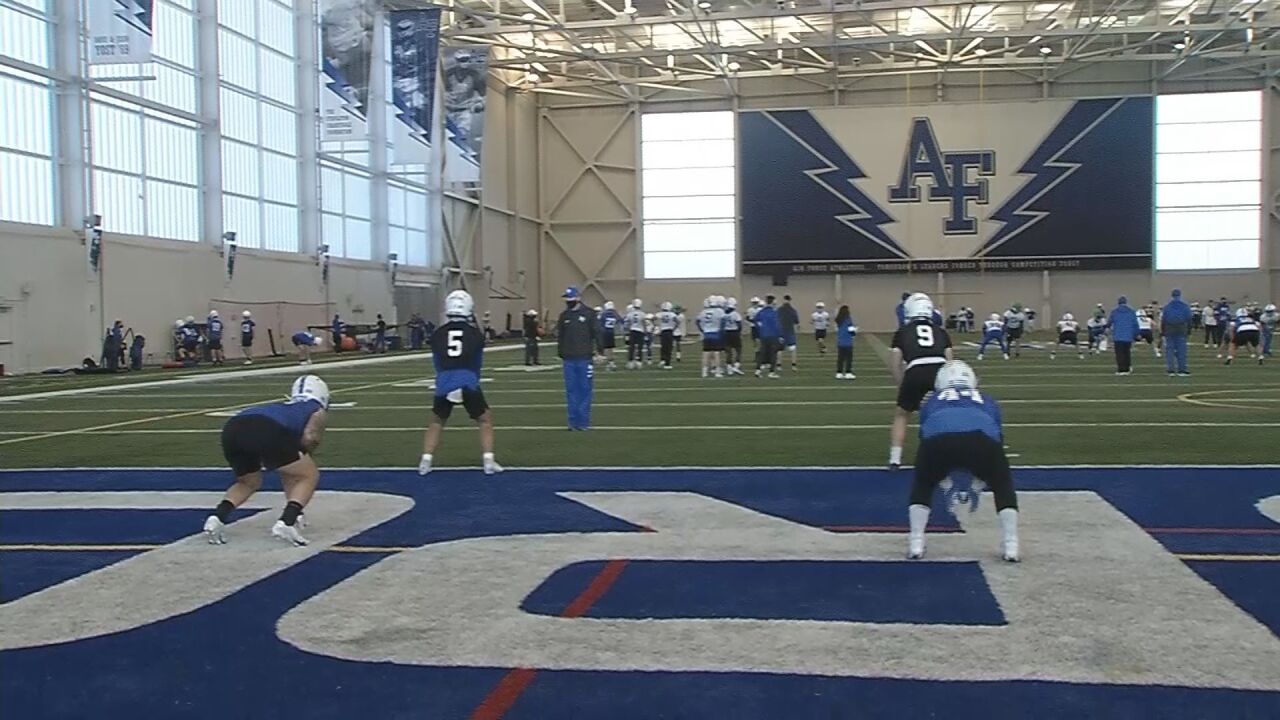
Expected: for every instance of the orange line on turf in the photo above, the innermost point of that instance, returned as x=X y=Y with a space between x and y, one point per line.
x=513 y=684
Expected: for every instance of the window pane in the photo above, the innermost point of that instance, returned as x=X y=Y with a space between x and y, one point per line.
x=279 y=178
x=687 y=126
x=280 y=228
x=236 y=57
x=686 y=154
x=1236 y=224
x=117 y=138
x=1209 y=137
x=679 y=265
x=688 y=208
x=118 y=199
x=416 y=241
x=240 y=168
x=277 y=27
x=240 y=215
x=172 y=152
x=173 y=211
x=1209 y=107
x=415 y=210
x=357 y=243
x=689 y=236
x=277 y=77
x=239 y=115
x=356 y=195
x=26 y=122
x=238 y=16
x=176 y=40
x=689 y=181
x=331 y=190
x=331 y=233
x=279 y=129
x=26 y=192
x=24 y=37
x=1204 y=167
x=1208 y=194
x=1229 y=255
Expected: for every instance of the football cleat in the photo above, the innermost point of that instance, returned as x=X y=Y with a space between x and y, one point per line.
x=774 y=375
x=288 y=532
x=213 y=530
x=979 y=356
x=1009 y=550
x=424 y=465
x=492 y=467
x=915 y=548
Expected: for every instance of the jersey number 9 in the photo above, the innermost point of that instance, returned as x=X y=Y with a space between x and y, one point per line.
x=455 y=343
x=924 y=335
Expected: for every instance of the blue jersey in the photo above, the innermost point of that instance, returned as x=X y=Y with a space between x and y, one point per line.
x=189 y=335
x=609 y=320
x=844 y=334
x=215 y=328
x=766 y=322
x=291 y=415
x=246 y=328
x=304 y=338
x=955 y=411
x=337 y=326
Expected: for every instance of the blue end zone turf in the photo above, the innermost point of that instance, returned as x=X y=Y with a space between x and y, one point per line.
x=226 y=660
x=887 y=592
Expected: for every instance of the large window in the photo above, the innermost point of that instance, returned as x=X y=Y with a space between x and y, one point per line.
x=1209 y=181
x=346 y=220
x=258 y=98
x=689 y=202
x=26 y=148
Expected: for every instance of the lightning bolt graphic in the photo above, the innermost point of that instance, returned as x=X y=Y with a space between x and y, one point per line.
x=837 y=177
x=1047 y=169
x=339 y=85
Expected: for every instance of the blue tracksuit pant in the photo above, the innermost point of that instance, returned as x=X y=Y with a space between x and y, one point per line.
x=1267 y=332
x=578 y=374
x=993 y=338
x=1175 y=353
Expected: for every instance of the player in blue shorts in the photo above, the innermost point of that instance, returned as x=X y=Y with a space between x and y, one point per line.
x=993 y=332
x=960 y=430
x=277 y=436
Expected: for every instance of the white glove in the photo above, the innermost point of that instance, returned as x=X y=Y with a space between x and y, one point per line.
x=424 y=465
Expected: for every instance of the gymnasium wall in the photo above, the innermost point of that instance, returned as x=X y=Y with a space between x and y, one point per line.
x=589 y=152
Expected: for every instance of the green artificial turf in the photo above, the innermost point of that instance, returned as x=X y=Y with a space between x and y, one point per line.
x=1064 y=411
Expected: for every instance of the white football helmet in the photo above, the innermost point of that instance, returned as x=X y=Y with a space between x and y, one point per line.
x=1068 y=316
x=597 y=308
x=310 y=387
x=731 y=303
x=955 y=374
x=648 y=316
x=755 y=301
x=1141 y=313
x=637 y=304
x=1271 y=307
x=995 y=317
x=213 y=313
x=666 y=307
x=608 y=305
x=706 y=303
x=820 y=305
x=191 y=318
x=1242 y=313
x=246 y=313
x=458 y=304
x=316 y=340
x=531 y=312
x=918 y=305
x=177 y=323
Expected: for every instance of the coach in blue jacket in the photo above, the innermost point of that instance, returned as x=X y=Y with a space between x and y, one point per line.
x=1124 y=328
x=1175 y=323
x=576 y=343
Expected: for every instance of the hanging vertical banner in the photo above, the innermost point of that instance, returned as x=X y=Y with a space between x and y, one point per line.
x=231 y=261
x=415 y=44
x=94 y=246
x=346 y=57
x=465 y=70
x=119 y=31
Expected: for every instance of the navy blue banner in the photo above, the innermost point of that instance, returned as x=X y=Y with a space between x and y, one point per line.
x=1055 y=185
x=415 y=47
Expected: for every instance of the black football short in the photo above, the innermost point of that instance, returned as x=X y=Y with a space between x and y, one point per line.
x=820 y=334
x=1247 y=337
x=215 y=343
x=733 y=339
x=1014 y=333
x=246 y=341
x=1067 y=338
x=608 y=341
x=251 y=443
x=712 y=345
x=472 y=400
x=917 y=382
x=1146 y=336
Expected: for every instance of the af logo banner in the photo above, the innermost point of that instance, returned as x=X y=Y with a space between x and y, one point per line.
x=995 y=186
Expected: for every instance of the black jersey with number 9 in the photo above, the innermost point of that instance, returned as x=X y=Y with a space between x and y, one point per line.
x=921 y=339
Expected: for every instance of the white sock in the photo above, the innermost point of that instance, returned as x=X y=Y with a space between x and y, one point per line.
x=895 y=455
x=1009 y=523
x=918 y=516
x=487 y=457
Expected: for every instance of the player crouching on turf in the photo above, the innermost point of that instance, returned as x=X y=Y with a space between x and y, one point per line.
x=278 y=436
x=457 y=351
x=993 y=332
x=960 y=430
x=304 y=341
x=1068 y=334
x=1015 y=319
x=919 y=348
x=1245 y=331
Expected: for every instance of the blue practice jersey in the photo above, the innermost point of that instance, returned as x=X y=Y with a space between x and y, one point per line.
x=189 y=335
x=992 y=329
x=304 y=338
x=246 y=328
x=954 y=411
x=609 y=320
x=291 y=415
x=844 y=333
x=215 y=328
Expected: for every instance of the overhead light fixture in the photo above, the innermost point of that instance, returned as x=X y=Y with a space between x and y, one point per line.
x=532 y=77
x=980 y=52
x=1179 y=45
x=1034 y=40
x=1045 y=50
x=671 y=61
x=629 y=9
x=704 y=5
x=528 y=17
x=734 y=66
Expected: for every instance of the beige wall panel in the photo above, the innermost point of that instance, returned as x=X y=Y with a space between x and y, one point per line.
x=496 y=147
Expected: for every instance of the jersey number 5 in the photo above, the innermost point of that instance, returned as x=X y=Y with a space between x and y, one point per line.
x=924 y=335
x=455 y=343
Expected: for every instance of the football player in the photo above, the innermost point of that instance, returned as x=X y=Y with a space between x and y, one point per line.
x=1097 y=327
x=1145 y=332
x=1268 y=322
x=457 y=351
x=919 y=348
x=993 y=332
x=711 y=325
x=650 y=324
x=246 y=336
x=304 y=341
x=213 y=326
x=1068 y=334
x=821 y=318
x=666 y=325
x=960 y=429
x=732 y=338
x=277 y=436
x=633 y=322
x=751 y=318
x=1245 y=331
x=679 y=331
x=609 y=322
x=1014 y=322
